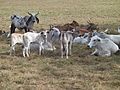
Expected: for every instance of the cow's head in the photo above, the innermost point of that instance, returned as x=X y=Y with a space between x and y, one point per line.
x=95 y=41
x=33 y=18
x=44 y=34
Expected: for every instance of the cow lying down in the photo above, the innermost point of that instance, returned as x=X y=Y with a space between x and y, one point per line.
x=45 y=46
x=114 y=38
x=103 y=47
x=82 y=40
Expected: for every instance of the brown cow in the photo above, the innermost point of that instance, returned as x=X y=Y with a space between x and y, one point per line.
x=66 y=27
x=90 y=27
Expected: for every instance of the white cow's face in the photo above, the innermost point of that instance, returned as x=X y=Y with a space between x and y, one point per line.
x=95 y=40
x=45 y=34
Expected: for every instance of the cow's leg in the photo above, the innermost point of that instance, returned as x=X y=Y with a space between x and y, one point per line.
x=24 y=51
x=12 y=48
x=40 y=49
x=62 y=50
x=28 y=30
x=43 y=51
x=70 y=46
x=27 y=51
x=12 y=28
x=95 y=52
x=66 y=50
x=25 y=29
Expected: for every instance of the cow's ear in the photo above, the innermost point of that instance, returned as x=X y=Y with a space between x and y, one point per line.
x=37 y=19
x=98 y=40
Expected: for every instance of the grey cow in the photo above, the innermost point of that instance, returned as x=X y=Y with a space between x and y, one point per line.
x=21 y=23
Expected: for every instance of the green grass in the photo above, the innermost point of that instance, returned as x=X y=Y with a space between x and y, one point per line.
x=49 y=71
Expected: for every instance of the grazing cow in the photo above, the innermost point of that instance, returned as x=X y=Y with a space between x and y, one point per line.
x=103 y=47
x=30 y=37
x=25 y=23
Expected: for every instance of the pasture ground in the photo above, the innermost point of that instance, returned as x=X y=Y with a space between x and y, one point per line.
x=49 y=71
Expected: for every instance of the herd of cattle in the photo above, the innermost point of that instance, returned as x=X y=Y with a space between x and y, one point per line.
x=65 y=35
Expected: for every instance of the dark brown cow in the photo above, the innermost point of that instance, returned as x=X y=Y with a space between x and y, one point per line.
x=89 y=28
x=66 y=27
x=78 y=29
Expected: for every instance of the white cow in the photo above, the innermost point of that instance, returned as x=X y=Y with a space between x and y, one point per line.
x=31 y=37
x=114 y=38
x=15 y=39
x=82 y=40
x=103 y=47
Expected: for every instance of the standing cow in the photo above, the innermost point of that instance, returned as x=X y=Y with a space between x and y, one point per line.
x=21 y=23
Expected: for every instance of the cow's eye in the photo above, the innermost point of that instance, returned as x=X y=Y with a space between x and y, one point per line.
x=99 y=40
x=94 y=40
x=41 y=32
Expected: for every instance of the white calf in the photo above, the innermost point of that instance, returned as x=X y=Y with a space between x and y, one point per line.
x=30 y=37
x=103 y=47
x=15 y=39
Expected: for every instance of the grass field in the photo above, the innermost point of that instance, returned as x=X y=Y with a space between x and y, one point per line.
x=49 y=71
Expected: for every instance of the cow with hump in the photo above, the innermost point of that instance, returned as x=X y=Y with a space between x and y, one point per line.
x=103 y=47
